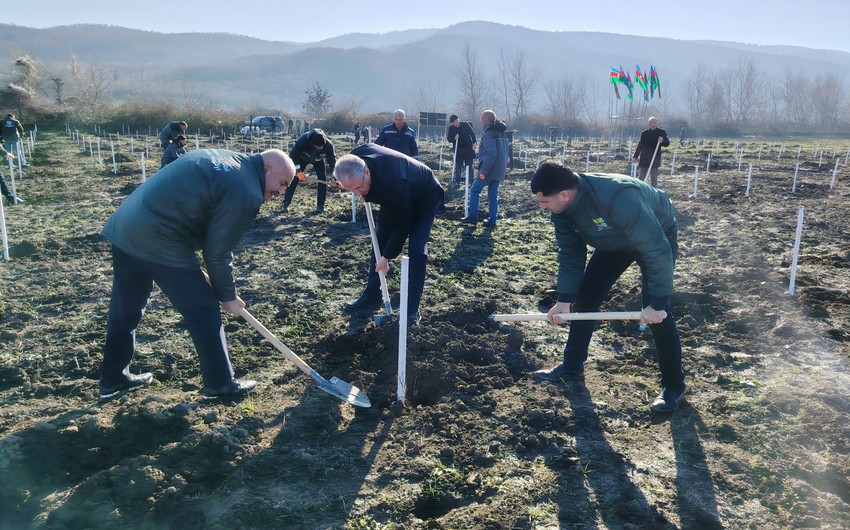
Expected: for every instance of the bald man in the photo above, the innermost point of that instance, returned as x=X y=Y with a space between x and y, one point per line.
x=203 y=201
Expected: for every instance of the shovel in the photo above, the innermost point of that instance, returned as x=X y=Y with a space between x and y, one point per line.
x=385 y=293
x=612 y=315
x=335 y=387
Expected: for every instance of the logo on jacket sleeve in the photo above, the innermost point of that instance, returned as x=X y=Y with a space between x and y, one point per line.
x=601 y=224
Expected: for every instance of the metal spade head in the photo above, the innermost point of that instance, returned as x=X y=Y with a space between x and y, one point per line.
x=342 y=390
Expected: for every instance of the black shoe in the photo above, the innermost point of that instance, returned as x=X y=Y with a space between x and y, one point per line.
x=131 y=382
x=468 y=220
x=365 y=301
x=231 y=390
x=284 y=208
x=414 y=319
x=319 y=210
x=489 y=224
x=559 y=373
x=668 y=400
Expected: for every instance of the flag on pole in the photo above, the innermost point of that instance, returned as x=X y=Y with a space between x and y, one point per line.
x=640 y=79
x=654 y=81
x=614 y=79
x=628 y=83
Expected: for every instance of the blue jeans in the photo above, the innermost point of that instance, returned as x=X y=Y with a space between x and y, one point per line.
x=602 y=271
x=191 y=295
x=492 y=198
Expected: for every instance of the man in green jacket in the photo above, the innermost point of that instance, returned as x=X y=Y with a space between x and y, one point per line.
x=203 y=201
x=626 y=221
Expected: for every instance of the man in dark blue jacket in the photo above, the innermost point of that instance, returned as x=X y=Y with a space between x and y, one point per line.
x=410 y=197
x=168 y=133
x=205 y=201
x=313 y=147
x=398 y=136
x=626 y=221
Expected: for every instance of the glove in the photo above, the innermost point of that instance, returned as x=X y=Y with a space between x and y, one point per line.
x=301 y=176
x=482 y=176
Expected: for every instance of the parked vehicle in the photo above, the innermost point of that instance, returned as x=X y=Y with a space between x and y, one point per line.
x=268 y=123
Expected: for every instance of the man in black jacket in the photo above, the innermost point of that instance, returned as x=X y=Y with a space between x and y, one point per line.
x=410 y=197
x=462 y=137
x=648 y=151
x=313 y=147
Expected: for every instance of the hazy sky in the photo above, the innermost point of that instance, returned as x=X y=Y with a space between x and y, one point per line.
x=812 y=23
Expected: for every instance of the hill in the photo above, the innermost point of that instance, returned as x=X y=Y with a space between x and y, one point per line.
x=382 y=71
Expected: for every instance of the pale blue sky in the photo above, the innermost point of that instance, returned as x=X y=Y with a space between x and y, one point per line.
x=813 y=23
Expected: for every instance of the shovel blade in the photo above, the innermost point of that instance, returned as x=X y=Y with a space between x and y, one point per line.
x=342 y=390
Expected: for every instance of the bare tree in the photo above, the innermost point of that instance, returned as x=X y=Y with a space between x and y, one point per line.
x=828 y=95
x=746 y=90
x=590 y=101
x=796 y=98
x=470 y=79
x=718 y=108
x=523 y=78
x=318 y=102
x=430 y=98
x=92 y=86
x=773 y=111
x=502 y=82
x=561 y=100
x=58 y=83
x=696 y=95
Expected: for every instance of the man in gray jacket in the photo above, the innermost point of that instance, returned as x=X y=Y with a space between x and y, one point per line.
x=492 y=168
x=205 y=200
x=626 y=221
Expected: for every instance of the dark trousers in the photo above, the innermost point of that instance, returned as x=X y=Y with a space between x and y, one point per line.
x=463 y=160
x=191 y=295
x=417 y=243
x=6 y=190
x=653 y=174
x=603 y=269
x=323 y=188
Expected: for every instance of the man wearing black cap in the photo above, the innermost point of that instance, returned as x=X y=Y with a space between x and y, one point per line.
x=313 y=147
x=463 y=141
x=175 y=150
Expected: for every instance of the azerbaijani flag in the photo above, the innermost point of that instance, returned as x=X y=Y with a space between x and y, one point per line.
x=640 y=79
x=627 y=82
x=654 y=81
x=614 y=79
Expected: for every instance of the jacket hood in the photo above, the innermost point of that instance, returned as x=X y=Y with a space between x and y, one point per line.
x=499 y=125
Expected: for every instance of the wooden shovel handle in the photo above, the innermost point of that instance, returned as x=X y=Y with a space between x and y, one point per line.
x=614 y=315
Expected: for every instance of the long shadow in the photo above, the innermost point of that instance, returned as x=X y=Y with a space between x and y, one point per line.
x=471 y=251
x=70 y=450
x=694 y=488
x=326 y=450
x=617 y=500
